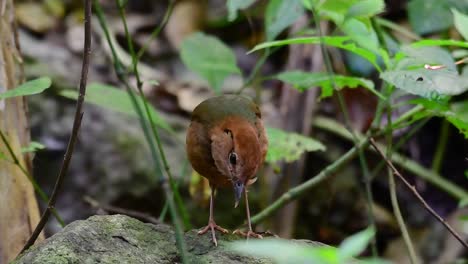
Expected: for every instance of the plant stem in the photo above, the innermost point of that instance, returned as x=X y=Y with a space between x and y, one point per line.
x=154 y=130
x=441 y=146
x=31 y=179
x=76 y=127
x=344 y=110
x=157 y=165
x=393 y=193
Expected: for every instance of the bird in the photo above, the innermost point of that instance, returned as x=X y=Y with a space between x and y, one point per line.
x=226 y=143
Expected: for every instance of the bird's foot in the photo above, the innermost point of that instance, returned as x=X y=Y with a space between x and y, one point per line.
x=247 y=234
x=213 y=226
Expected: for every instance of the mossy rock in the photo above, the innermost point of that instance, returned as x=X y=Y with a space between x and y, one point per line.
x=122 y=239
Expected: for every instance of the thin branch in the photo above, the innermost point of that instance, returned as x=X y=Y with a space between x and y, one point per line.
x=75 y=129
x=109 y=208
x=416 y=193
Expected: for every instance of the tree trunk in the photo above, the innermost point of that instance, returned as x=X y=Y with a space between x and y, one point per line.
x=19 y=212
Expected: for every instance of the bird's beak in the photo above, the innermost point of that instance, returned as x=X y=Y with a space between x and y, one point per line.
x=238 y=189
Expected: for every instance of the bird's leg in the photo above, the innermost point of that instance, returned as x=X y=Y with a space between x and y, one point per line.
x=211 y=223
x=250 y=232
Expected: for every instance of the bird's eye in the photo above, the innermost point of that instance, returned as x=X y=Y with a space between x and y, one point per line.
x=233 y=158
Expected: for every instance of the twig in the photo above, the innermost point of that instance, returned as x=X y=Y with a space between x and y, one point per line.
x=416 y=193
x=75 y=129
x=109 y=208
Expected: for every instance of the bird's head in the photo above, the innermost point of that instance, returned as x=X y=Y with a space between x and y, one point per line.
x=236 y=151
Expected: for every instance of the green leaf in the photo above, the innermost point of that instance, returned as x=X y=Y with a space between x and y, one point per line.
x=305 y=80
x=280 y=15
x=33 y=147
x=455 y=113
x=209 y=57
x=412 y=76
x=439 y=42
x=363 y=34
x=355 y=244
x=115 y=99
x=432 y=84
x=339 y=42
x=289 y=146
x=336 y=10
x=235 y=5
x=286 y=251
x=28 y=88
x=366 y=8
x=461 y=23
x=463 y=203
x=428 y=16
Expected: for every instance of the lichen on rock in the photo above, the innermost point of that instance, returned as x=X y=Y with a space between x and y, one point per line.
x=122 y=239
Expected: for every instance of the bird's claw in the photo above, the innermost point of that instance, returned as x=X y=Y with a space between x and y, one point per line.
x=213 y=226
x=247 y=234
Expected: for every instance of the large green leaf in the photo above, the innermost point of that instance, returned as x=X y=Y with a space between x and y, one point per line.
x=412 y=76
x=427 y=16
x=461 y=23
x=235 y=5
x=280 y=15
x=305 y=80
x=287 y=251
x=115 y=99
x=341 y=42
x=289 y=146
x=28 y=88
x=209 y=57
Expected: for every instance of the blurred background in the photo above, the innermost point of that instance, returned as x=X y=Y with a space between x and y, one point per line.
x=112 y=165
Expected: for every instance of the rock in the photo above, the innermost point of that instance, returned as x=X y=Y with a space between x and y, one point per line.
x=122 y=239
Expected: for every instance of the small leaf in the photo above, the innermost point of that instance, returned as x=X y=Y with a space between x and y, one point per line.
x=285 y=251
x=305 y=80
x=366 y=8
x=209 y=57
x=28 y=88
x=235 y=5
x=33 y=147
x=289 y=146
x=115 y=99
x=355 y=244
x=461 y=23
x=280 y=15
